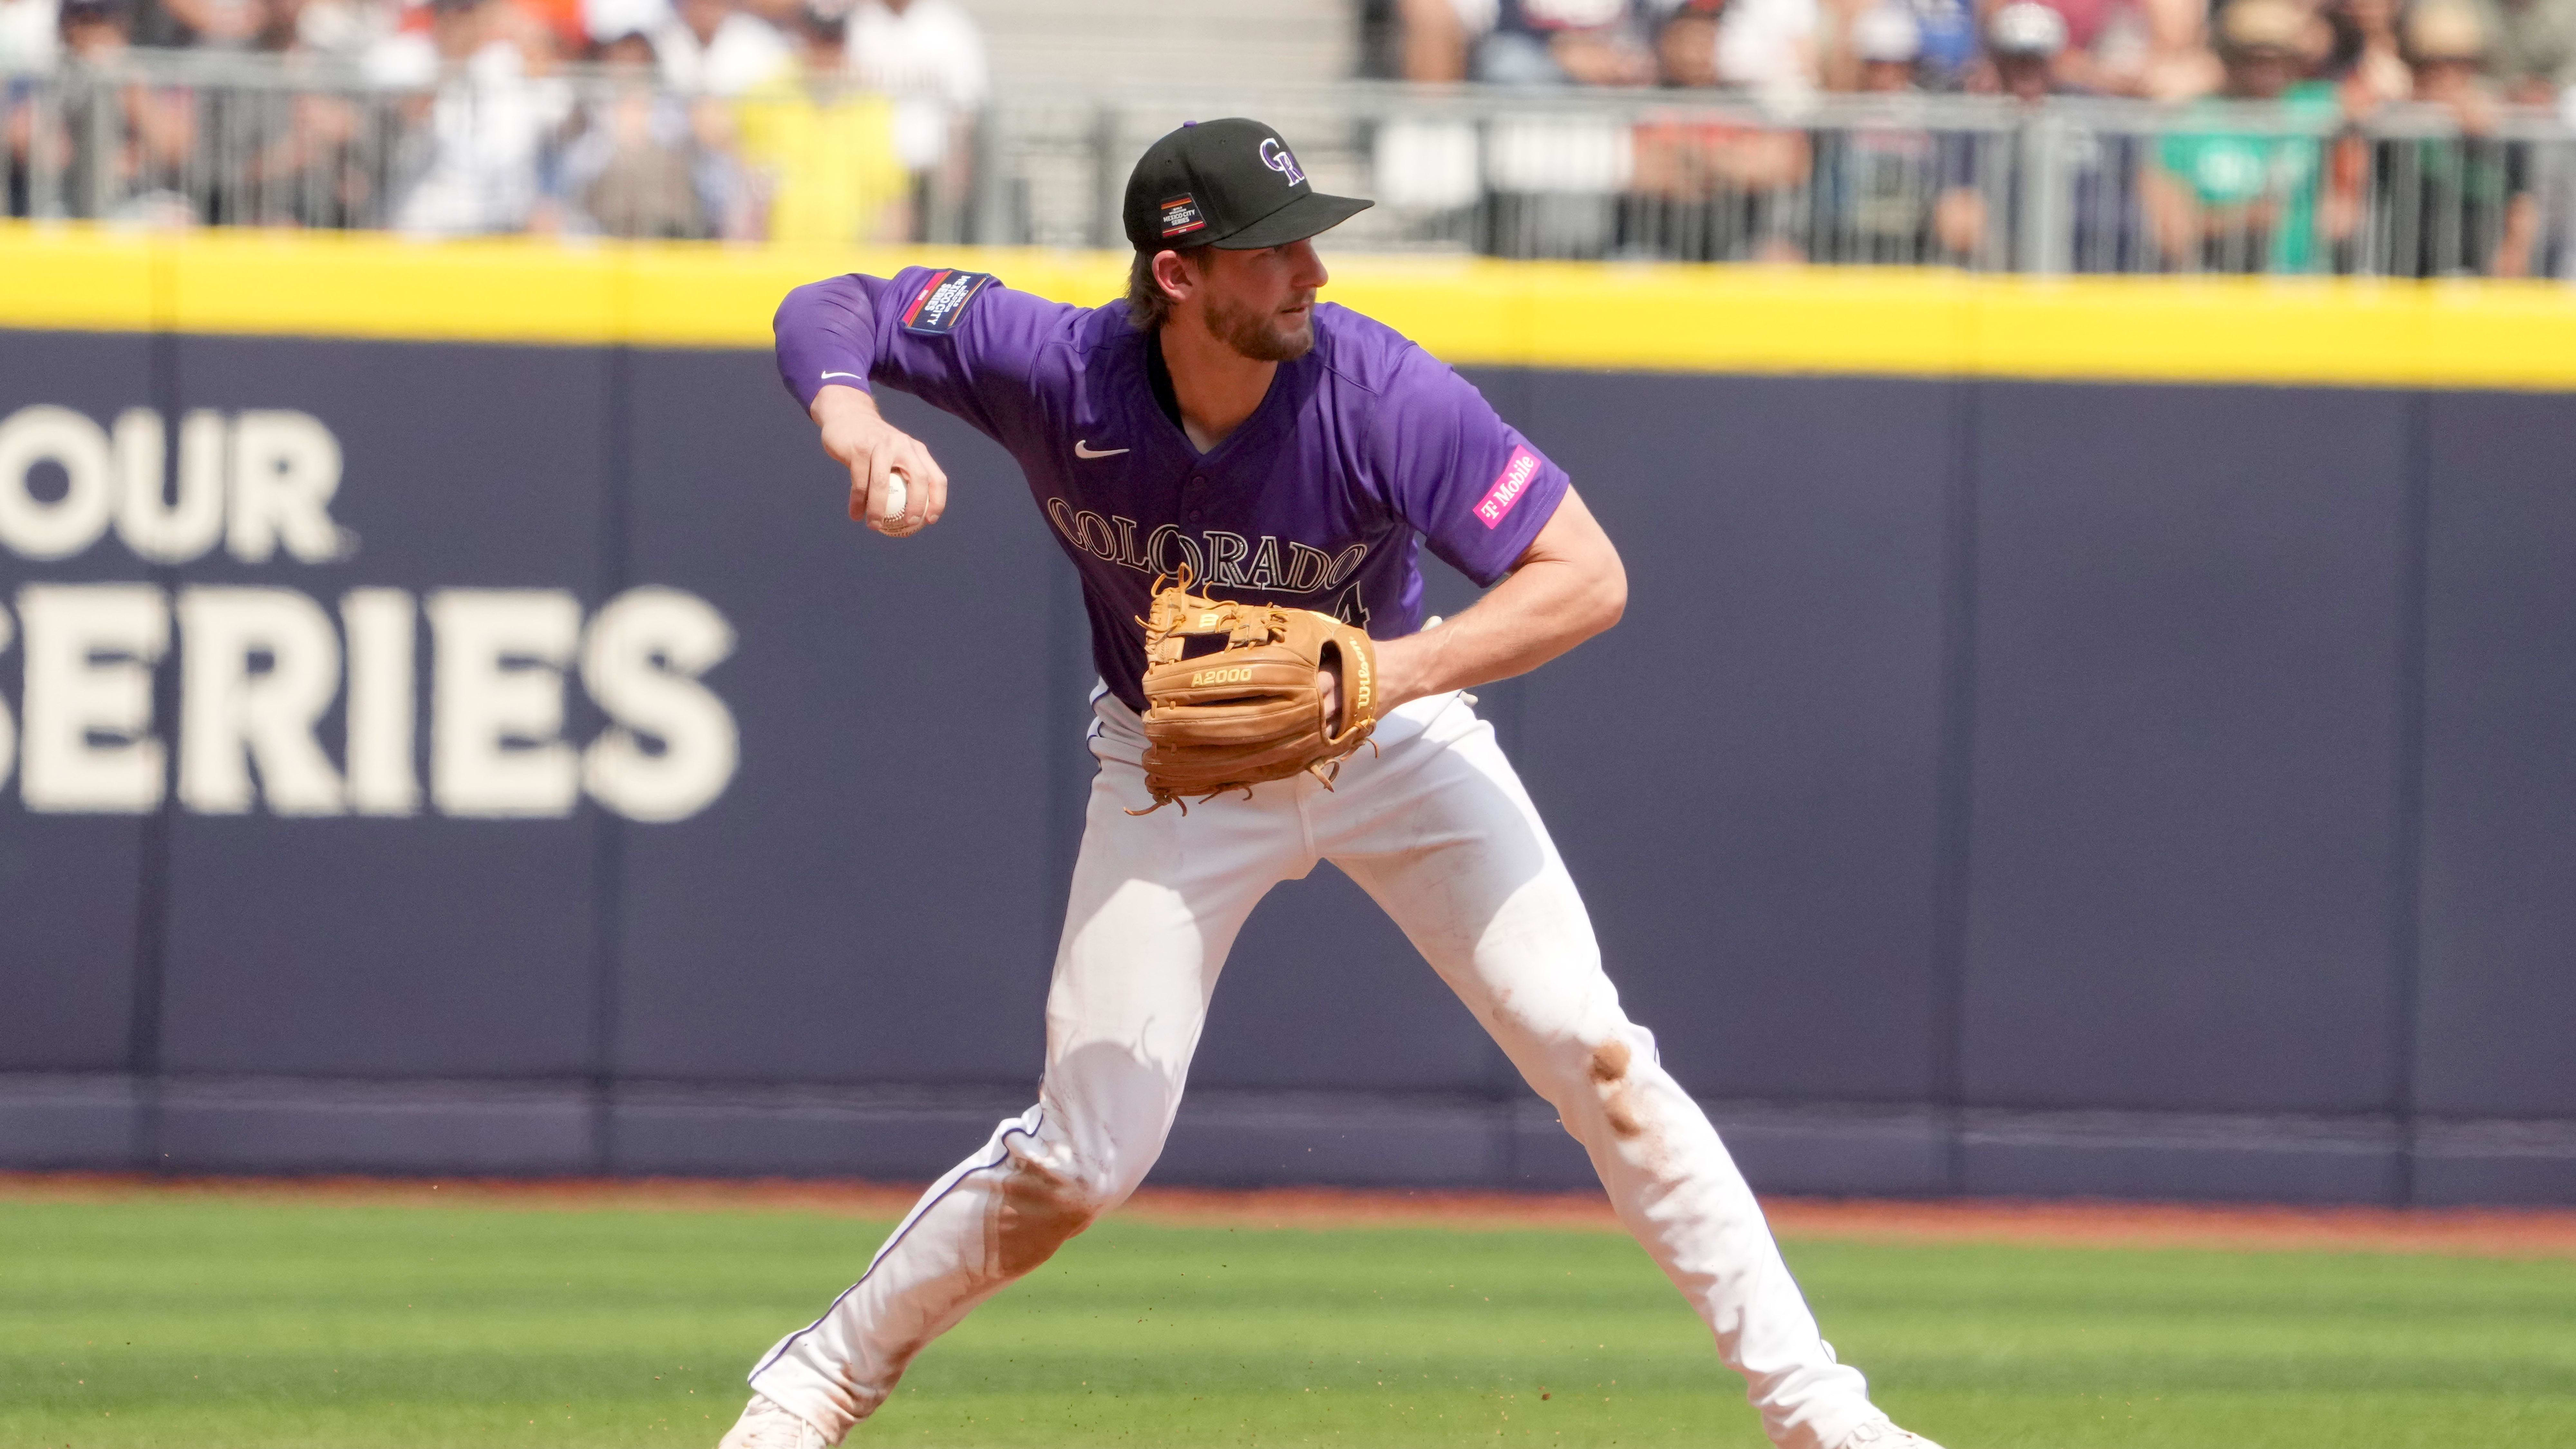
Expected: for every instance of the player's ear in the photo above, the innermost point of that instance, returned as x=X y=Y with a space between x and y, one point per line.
x=1177 y=273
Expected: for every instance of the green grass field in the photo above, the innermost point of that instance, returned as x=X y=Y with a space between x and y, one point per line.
x=211 y=1322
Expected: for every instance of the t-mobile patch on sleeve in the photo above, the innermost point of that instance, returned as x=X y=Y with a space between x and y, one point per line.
x=1508 y=487
x=941 y=301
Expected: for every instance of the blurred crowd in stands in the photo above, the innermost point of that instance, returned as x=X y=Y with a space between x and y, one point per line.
x=805 y=120
x=2366 y=52
x=837 y=121
x=2204 y=193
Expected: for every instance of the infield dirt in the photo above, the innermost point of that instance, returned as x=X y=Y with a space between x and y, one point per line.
x=2479 y=1232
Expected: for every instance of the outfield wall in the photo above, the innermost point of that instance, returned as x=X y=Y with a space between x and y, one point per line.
x=2113 y=738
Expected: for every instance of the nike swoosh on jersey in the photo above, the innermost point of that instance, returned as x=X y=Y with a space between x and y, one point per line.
x=851 y=375
x=1082 y=449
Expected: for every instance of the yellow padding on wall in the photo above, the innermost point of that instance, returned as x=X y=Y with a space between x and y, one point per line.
x=79 y=279
x=1592 y=316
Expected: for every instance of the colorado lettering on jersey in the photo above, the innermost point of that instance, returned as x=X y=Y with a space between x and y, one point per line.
x=1220 y=558
x=941 y=300
x=1508 y=487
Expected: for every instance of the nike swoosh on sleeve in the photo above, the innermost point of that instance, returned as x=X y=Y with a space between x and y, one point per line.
x=852 y=375
x=1082 y=449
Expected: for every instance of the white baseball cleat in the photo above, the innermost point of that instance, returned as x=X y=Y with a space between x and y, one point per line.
x=764 y=1425
x=1883 y=1434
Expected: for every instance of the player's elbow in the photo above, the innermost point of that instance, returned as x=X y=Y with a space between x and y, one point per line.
x=1591 y=588
x=1587 y=594
x=1614 y=595
x=1610 y=601
x=1605 y=594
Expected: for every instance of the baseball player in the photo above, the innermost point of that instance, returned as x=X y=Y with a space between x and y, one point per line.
x=1290 y=458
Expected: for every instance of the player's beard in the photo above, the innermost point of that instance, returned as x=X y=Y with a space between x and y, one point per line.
x=1260 y=335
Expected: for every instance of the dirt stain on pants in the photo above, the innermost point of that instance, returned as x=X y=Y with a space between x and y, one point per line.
x=1040 y=1210
x=1609 y=1073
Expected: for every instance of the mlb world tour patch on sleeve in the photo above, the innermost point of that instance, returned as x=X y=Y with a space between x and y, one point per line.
x=1508 y=487
x=941 y=301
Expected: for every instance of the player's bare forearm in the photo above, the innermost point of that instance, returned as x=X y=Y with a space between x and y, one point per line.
x=873 y=449
x=1568 y=586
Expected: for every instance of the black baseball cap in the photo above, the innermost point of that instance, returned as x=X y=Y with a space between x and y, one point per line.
x=1232 y=183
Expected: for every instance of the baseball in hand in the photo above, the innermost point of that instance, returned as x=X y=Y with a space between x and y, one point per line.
x=892 y=507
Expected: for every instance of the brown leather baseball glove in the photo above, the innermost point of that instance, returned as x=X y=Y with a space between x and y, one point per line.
x=1247 y=709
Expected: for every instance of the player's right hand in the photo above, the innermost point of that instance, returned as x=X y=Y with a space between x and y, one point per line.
x=873 y=449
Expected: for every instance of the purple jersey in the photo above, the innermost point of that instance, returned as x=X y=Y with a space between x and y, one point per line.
x=1364 y=448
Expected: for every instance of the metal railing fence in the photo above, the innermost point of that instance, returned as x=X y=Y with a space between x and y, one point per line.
x=1978 y=182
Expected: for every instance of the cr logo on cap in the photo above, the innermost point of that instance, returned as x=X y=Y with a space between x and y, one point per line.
x=1275 y=155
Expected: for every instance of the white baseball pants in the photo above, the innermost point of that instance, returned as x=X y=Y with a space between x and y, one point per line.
x=1437 y=829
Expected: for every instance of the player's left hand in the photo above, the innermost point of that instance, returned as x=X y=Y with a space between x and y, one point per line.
x=1262 y=706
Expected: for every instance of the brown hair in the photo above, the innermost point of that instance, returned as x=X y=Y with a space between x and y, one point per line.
x=1147 y=303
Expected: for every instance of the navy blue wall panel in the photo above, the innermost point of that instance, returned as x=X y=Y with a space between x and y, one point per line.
x=1743 y=774
x=69 y=889
x=70 y=885
x=2186 y=748
x=2499 y=868
x=425 y=945
x=2039 y=750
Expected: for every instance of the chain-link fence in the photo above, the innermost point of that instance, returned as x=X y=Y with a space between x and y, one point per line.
x=1985 y=183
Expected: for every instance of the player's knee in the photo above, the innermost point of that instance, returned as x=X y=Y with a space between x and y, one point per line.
x=1608 y=1076
x=1044 y=1205
x=1107 y=1114
x=1112 y=1171
x=1610 y=1068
